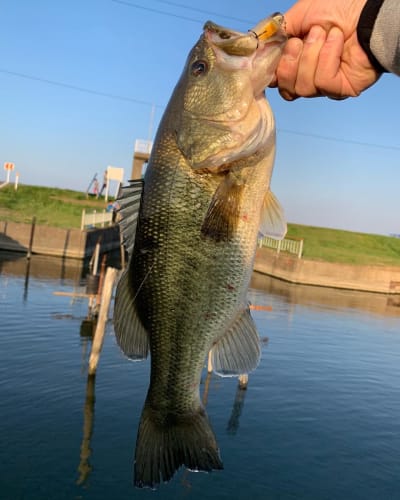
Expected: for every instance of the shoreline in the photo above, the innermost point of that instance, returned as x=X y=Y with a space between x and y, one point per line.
x=364 y=278
x=79 y=244
x=57 y=242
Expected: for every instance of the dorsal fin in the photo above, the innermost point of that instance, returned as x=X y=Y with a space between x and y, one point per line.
x=129 y=203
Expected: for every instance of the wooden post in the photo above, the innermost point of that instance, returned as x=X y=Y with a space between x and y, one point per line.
x=97 y=345
x=101 y=278
x=206 y=389
x=243 y=381
x=300 y=249
x=29 y=254
x=96 y=258
x=209 y=366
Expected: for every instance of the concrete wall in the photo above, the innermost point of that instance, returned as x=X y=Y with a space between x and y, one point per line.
x=69 y=243
x=382 y=279
x=74 y=243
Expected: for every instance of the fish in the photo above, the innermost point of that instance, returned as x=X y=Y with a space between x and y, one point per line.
x=191 y=228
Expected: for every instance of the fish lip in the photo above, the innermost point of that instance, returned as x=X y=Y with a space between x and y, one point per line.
x=230 y=41
x=268 y=32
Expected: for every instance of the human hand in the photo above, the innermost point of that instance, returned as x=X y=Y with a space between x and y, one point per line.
x=323 y=57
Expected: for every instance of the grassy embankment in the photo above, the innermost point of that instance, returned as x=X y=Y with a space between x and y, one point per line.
x=63 y=208
x=51 y=206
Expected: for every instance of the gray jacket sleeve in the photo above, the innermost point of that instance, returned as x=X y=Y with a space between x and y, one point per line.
x=379 y=34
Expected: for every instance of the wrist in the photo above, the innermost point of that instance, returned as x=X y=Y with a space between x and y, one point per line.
x=365 y=28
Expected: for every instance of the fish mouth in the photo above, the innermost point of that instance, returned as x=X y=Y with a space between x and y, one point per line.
x=235 y=43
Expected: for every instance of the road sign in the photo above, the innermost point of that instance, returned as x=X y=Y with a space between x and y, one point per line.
x=9 y=166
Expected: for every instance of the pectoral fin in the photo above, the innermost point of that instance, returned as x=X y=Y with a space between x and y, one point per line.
x=130 y=334
x=238 y=351
x=222 y=215
x=273 y=221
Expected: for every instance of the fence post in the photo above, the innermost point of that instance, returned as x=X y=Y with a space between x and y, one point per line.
x=83 y=219
x=300 y=249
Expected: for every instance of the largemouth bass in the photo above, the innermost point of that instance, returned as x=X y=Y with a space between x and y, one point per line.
x=205 y=199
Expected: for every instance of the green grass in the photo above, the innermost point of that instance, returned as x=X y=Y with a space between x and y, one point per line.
x=51 y=206
x=63 y=208
x=334 y=245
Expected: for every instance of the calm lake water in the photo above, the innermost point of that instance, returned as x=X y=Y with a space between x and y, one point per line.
x=320 y=418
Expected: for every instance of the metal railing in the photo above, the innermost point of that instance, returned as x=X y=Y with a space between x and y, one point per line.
x=290 y=245
x=94 y=219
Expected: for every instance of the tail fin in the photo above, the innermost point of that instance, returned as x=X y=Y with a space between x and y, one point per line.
x=165 y=444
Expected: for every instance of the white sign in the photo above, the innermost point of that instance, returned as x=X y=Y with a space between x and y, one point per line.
x=143 y=146
x=114 y=174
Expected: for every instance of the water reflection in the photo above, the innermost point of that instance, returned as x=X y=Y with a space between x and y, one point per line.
x=65 y=271
x=85 y=467
x=233 y=424
x=41 y=267
x=330 y=408
x=328 y=298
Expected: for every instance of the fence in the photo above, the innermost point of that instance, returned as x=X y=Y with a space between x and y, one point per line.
x=290 y=245
x=96 y=219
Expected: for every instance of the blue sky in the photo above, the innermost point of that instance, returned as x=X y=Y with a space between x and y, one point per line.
x=79 y=80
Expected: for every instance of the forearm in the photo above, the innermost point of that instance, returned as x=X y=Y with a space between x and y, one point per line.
x=379 y=33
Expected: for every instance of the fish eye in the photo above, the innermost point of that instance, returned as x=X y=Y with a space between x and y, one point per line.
x=199 y=67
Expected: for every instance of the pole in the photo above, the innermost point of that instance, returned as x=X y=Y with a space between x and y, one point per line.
x=29 y=254
x=209 y=363
x=98 y=338
x=96 y=258
x=151 y=122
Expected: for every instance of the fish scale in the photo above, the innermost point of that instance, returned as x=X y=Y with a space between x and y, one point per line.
x=205 y=198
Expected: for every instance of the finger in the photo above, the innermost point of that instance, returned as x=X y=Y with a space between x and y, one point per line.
x=327 y=75
x=286 y=72
x=308 y=63
x=274 y=82
x=294 y=20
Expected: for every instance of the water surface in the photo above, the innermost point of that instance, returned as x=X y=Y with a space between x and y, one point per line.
x=320 y=418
